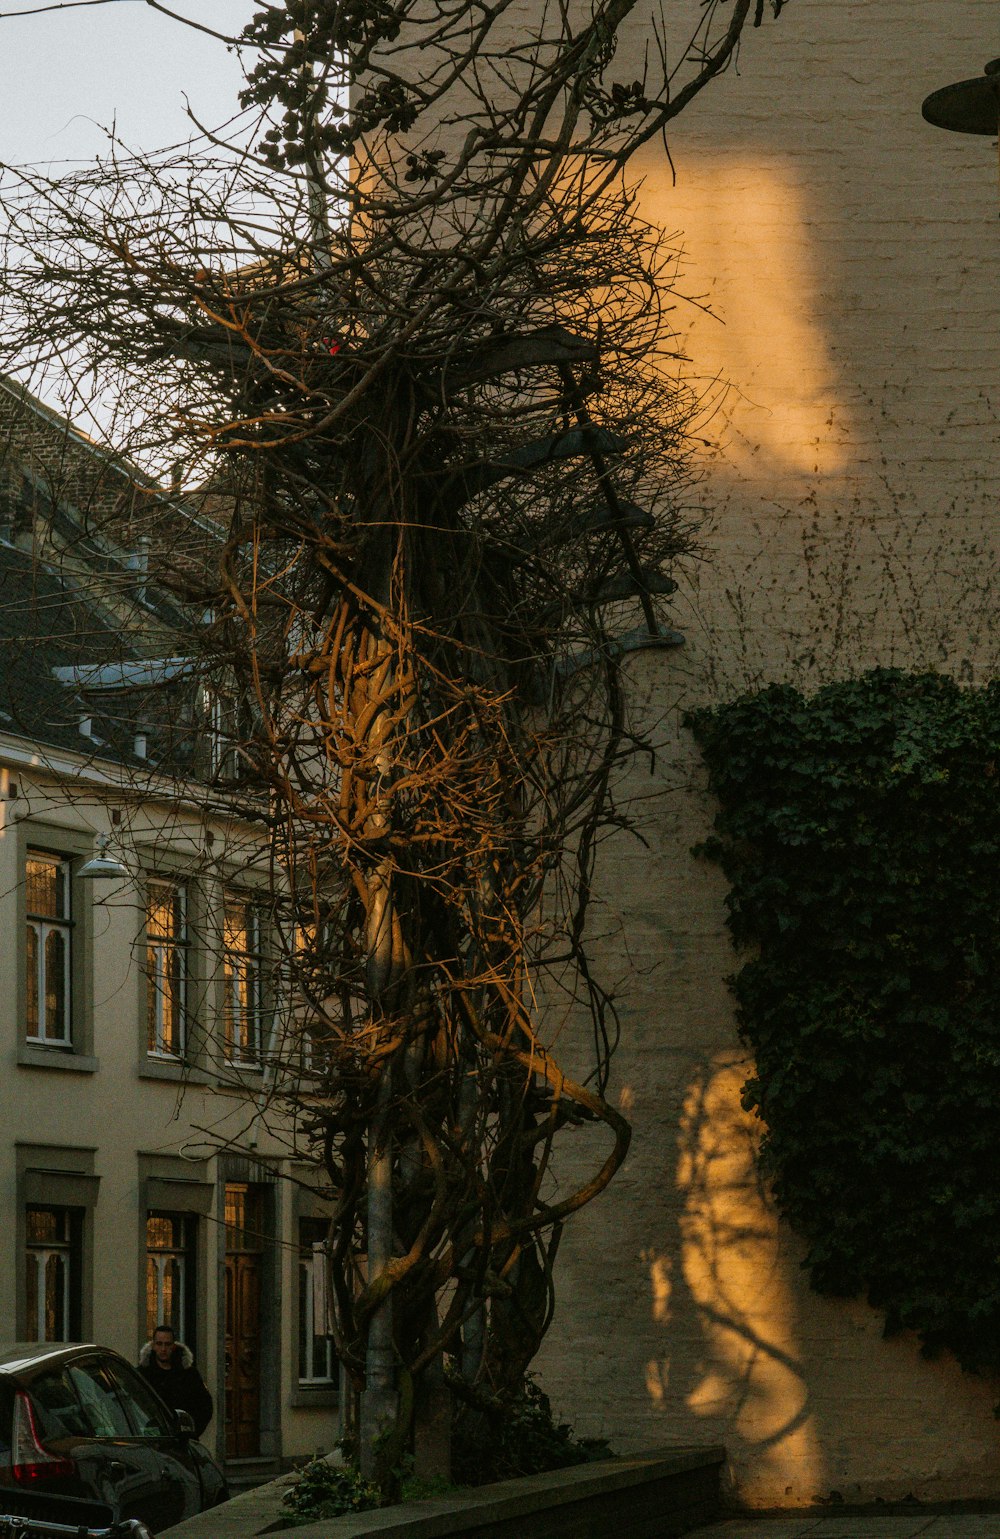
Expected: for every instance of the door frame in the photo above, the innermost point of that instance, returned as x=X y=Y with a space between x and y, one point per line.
x=242 y=1170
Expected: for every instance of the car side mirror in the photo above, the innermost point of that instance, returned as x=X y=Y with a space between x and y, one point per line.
x=185 y=1423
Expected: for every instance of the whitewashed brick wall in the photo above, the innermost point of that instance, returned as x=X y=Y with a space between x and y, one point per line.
x=851 y=255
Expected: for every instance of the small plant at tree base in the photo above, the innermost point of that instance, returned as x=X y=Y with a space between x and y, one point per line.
x=519 y=1437
x=325 y=1490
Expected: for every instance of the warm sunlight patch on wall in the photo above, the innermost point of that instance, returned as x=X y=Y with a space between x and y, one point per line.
x=751 y=257
x=660 y=1287
x=752 y=1374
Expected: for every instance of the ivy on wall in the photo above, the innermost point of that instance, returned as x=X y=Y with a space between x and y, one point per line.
x=860 y=830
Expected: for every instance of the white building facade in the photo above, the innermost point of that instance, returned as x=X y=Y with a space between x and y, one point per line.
x=141 y=1177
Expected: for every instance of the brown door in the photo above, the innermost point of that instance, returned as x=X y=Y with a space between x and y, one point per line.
x=244 y=1244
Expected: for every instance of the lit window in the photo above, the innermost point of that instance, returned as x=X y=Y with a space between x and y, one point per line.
x=317 y=1362
x=166 y=967
x=169 y=1274
x=312 y=973
x=241 y=981
x=52 y=1274
x=244 y=1217
x=48 y=996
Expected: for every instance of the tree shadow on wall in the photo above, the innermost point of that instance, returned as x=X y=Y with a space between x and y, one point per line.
x=724 y=1295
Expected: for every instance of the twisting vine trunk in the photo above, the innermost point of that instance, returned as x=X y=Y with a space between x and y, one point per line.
x=441 y=467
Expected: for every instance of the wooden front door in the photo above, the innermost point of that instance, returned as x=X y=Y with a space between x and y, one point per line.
x=244 y=1272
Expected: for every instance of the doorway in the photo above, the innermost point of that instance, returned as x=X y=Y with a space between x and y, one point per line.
x=244 y=1278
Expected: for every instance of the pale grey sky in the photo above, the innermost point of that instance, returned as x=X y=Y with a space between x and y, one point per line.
x=64 y=72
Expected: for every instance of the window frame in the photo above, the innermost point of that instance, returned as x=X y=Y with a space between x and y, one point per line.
x=310 y=1032
x=70 y=1246
x=183 y=1320
x=42 y=927
x=177 y=947
x=57 y=1176
x=306 y=1339
x=249 y=960
x=71 y=846
x=226 y=717
x=185 y=1189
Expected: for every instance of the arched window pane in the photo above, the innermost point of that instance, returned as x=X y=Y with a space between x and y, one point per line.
x=47 y=949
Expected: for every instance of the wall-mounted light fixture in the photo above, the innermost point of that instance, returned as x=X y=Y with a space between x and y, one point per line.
x=968 y=106
x=103 y=865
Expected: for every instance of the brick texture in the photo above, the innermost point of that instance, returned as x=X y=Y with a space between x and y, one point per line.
x=849 y=254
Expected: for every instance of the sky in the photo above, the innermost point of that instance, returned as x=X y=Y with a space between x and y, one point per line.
x=65 y=73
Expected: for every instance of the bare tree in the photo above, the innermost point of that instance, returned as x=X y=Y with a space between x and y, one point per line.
x=407 y=335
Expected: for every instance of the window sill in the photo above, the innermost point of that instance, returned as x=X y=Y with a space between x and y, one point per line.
x=239 y=1076
x=31 y=1056
x=164 y=1068
x=303 y=1397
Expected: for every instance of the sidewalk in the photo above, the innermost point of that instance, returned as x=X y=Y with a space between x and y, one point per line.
x=961 y=1525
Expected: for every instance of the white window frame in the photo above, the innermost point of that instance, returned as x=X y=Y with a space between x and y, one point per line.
x=62 y=1254
x=162 y=1259
x=313 y=1318
x=43 y=926
x=220 y=717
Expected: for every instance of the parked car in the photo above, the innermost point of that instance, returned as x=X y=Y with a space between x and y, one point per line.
x=79 y=1424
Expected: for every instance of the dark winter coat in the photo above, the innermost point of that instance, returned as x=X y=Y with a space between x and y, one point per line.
x=180 y=1385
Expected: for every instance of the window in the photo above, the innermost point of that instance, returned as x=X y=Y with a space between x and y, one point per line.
x=166 y=967
x=52 y=1273
x=217 y=714
x=317 y=1362
x=55 y=1406
x=244 y=1217
x=312 y=976
x=49 y=935
x=227 y=725
x=241 y=981
x=103 y=1411
x=316 y=1042
x=146 y=1412
x=170 y=1274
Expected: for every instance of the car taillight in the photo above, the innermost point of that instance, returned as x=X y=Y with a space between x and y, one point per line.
x=29 y=1459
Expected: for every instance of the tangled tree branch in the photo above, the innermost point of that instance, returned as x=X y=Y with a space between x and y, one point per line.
x=425 y=392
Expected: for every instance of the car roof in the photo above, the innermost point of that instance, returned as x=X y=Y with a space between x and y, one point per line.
x=16 y=1356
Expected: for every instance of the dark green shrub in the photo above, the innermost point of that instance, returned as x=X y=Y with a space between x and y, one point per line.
x=325 y=1490
x=517 y=1437
x=860 y=830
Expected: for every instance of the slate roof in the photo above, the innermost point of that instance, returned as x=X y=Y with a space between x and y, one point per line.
x=46 y=622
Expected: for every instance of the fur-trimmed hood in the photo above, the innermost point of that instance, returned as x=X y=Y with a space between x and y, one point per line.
x=182 y=1356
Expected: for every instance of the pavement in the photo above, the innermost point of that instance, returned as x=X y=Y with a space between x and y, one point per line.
x=962 y=1525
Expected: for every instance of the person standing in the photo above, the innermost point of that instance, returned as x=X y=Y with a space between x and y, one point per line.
x=169 y=1366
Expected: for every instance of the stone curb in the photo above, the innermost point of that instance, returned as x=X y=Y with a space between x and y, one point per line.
x=259 y=1511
